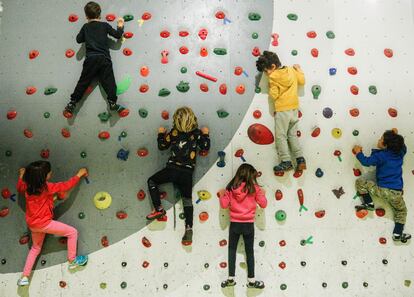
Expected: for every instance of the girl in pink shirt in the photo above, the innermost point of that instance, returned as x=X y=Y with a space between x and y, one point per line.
x=241 y=196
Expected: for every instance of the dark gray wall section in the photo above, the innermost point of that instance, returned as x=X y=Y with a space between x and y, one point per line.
x=44 y=26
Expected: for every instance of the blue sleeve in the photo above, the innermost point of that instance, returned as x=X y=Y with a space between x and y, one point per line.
x=373 y=160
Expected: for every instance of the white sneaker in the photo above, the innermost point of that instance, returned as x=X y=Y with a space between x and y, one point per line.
x=23 y=281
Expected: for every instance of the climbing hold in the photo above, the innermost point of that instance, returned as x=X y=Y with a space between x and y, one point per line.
x=206 y=76
x=165 y=286
x=206 y=287
x=81 y=215
x=257 y=90
x=183 y=50
x=128 y=35
x=303 y=263
x=165 y=115
x=350 y=52
x=315 y=52
x=203 y=34
x=222 y=113
x=221 y=163
x=275 y=39
x=143 y=88
x=122 y=154
x=183 y=70
x=31 y=90
x=146 y=242
x=203 y=195
x=239 y=154
x=223 y=264
x=380 y=212
x=83 y=155
x=261 y=243
x=354 y=112
x=282 y=265
x=338 y=192
x=223 y=89
x=255 y=35
x=372 y=90
x=43 y=262
x=164 y=92
x=354 y=90
x=294 y=52
x=165 y=34
x=254 y=16
x=127 y=52
x=102 y=200
x=50 y=91
x=4 y=212
x=69 y=53
x=142 y=152
x=183 y=86
x=260 y=134
x=73 y=18
x=282 y=243
x=362 y=213
x=33 y=54
x=382 y=240
x=332 y=71
x=183 y=33
x=24 y=239
x=337 y=153
x=256 y=51
x=104 y=241
x=278 y=195
x=316 y=91
x=44 y=153
x=316 y=131
x=220 y=51
x=28 y=133
x=283 y=287
x=336 y=133
x=102 y=285
x=62 y=284
x=327 y=112
x=220 y=15
x=65 y=132
x=123 y=285
x=46 y=115
x=203 y=216
x=392 y=112
x=355 y=132
x=357 y=172
x=311 y=34
x=384 y=261
x=11 y=114
x=344 y=262
x=319 y=172
x=146 y=16
x=128 y=17
x=240 y=89
x=292 y=17
x=388 y=52
x=203 y=52
x=110 y=17
x=330 y=34
x=238 y=70
x=407 y=282
x=352 y=70
x=104 y=135
x=320 y=214
x=144 y=71
x=344 y=285
x=104 y=116
x=143 y=113
x=164 y=56
x=8 y=153
x=280 y=215
x=5 y=193
x=141 y=195
x=121 y=215
x=257 y=114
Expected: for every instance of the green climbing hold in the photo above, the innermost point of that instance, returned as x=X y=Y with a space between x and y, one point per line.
x=102 y=285
x=83 y=155
x=220 y=51
x=124 y=134
x=124 y=85
x=183 y=69
x=316 y=91
x=330 y=34
x=46 y=115
x=164 y=92
x=345 y=285
x=81 y=215
x=123 y=285
x=303 y=242
x=261 y=243
x=373 y=90
x=8 y=153
x=294 y=52
x=104 y=116
x=183 y=86
x=258 y=90
x=283 y=287
x=407 y=283
x=280 y=215
x=255 y=35
x=355 y=132
x=128 y=17
x=181 y=216
x=292 y=17
x=206 y=287
x=222 y=113
x=50 y=91
x=254 y=16
x=143 y=113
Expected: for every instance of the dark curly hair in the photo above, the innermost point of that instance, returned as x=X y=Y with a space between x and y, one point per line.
x=92 y=10
x=266 y=60
x=393 y=141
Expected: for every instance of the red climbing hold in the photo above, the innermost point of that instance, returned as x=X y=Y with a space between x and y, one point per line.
x=350 y=52
x=104 y=135
x=73 y=18
x=165 y=115
x=223 y=242
x=104 y=241
x=65 y=132
x=354 y=90
x=33 y=54
x=282 y=243
x=145 y=264
x=24 y=239
x=121 y=215
x=144 y=71
x=143 y=88
x=141 y=195
x=380 y=212
x=4 y=212
x=275 y=39
x=123 y=113
x=357 y=172
x=352 y=70
x=203 y=52
x=316 y=132
x=362 y=213
x=204 y=87
x=388 y=52
x=31 y=90
x=203 y=216
x=110 y=17
x=163 y=195
x=44 y=153
x=5 y=193
x=183 y=33
x=28 y=133
x=239 y=153
x=220 y=15
x=256 y=51
x=315 y=52
x=146 y=242
x=257 y=114
x=184 y=50
x=128 y=35
x=238 y=70
x=354 y=112
x=392 y=112
x=240 y=89
x=223 y=264
x=320 y=214
x=299 y=114
x=260 y=134
x=146 y=16
x=282 y=265
x=62 y=284
x=278 y=195
x=165 y=34
x=203 y=34
x=297 y=173
x=142 y=152
x=127 y=52
x=12 y=114
x=69 y=53
x=382 y=240
x=311 y=34
x=223 y=89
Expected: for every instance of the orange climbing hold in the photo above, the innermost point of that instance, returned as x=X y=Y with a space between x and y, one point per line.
x=141 y=195
x=354 y=112
x=146 y=242
x=320 y=214
x=240 y=89
x=203 y=216
x=311 y=34
x=104 y=241
x=203 y=52
x=143 y=88
x=352 y=70
x=316 y=131
x=362 y=213
x=260 y=134
x=144 y=71
x=165 y=115
x=238 y=70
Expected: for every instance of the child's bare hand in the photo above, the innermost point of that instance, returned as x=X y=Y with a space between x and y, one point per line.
x=82 y=172
x=297 y=67
x=120 y=22
x=221 y=193
x=161 y=130
x=21 y=172
x=357 y=149
x=204 y=130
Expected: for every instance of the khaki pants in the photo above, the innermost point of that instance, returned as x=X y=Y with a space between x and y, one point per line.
x=286 y=124
x=394 y=198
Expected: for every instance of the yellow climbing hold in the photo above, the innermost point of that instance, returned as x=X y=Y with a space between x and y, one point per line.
x=336 y=133
x=204 y=195
x=102 y=200
x=140 y=22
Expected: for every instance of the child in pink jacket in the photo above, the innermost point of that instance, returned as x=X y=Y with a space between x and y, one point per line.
x=241 y=196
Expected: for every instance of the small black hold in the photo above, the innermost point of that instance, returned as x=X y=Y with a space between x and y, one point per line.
x=384 y=261
x=166 y=264
x=303 y=263
x=165 y=286
x=43 y=262
x=206 y=265
x=344 y=262
x=365 y=284
x=324 y=285
x=124 y=264
x=3 y=261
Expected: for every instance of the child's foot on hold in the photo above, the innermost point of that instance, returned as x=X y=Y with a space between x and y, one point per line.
x=79 y=261
x=367 y=206
x=122 y=111
x=188 y=237
x=256 y=285
x=283 y=166
x=23 y=281
x=300 y=164
x=156 y=214
x=69 y=109
x=228 y=283
x=401 y=237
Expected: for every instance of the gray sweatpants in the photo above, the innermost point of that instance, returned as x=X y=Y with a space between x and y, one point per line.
x=286 y=123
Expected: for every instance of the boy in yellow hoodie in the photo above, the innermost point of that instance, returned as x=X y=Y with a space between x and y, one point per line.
x=283 y=89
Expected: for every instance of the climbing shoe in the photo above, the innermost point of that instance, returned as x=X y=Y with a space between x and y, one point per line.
x=69 y=109
x=283 y=166
x=188 y=237
x=156 y=214
x=79 y=261
x=23 y=281
x=256 y=285
x=228 y=283
x=367 y=206
x=300 y=164
x=401 y=237
x=122 y=111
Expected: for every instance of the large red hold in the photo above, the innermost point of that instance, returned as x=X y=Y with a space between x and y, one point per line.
x=260 y=134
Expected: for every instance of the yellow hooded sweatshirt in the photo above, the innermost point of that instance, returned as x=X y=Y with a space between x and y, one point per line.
x=283 y=87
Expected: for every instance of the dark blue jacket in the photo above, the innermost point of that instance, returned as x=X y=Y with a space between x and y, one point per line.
x=389 y=167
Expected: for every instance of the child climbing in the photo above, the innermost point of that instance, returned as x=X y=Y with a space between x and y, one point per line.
x=98 y=62
x=184 y=139
x=39 y=192
x=389 y=185
x=241 y=196
x=283 y=90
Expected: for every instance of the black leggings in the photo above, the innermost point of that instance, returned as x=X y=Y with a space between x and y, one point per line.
x=182 y=178
x=247 y=230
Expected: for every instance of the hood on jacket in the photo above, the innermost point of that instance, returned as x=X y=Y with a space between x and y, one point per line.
x=240 y=193
x=284 y=76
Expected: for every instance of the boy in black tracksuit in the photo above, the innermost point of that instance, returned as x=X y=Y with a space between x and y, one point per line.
x=98 y=62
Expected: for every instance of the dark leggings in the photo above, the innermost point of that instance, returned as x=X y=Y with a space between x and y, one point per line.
x=247 y=230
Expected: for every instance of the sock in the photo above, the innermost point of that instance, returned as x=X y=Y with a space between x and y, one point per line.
x=188 y=213
x=366 y=198
x=231 y=278
x=398 y=228
x=251 y=280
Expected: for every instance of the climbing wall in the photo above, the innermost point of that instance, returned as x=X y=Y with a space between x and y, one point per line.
x=309 y=241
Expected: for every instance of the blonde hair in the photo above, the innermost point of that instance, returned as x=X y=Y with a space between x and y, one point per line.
x=184 y=119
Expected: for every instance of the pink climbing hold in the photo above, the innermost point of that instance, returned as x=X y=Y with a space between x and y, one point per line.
x=311 y=34
x=275 y=39
x=73 y=18
x=388 y=52
x=110 y=17
x=164 y=57
x=350 y=52
x=315 y=52
x=260 y=134
x=33 y=54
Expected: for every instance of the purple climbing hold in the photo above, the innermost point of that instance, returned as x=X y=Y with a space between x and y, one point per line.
x=327 y=112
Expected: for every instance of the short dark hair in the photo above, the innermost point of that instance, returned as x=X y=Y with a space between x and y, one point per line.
x=35 y=176
x=266 y=60
x=393 y=141
x=92 y=10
